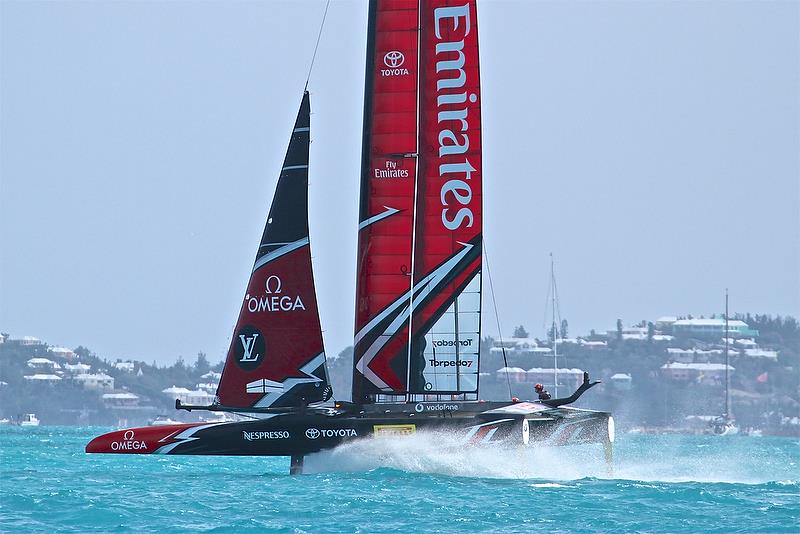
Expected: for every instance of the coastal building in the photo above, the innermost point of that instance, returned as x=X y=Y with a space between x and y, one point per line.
x=702 y=373
x=761 y=353
x=680 y=355
x=42 y=378
x=128 y=367
x=636 y=333
x=43 y=364
x=621 y=381
x=570 y=378
x=567 y=341
x=698 y=355
x=593 y=344
x=123 y=399
x=212 y=376
x=62 y=352
x=187 y=396
x=95 y=382
x=77 y=368
x=711 y=328
x=26 y=341
x=208 y=387
x=514 y=374
x=175 y=392
x=516 y=345
x=542 y=375
x=665 y=323
x=200 y=398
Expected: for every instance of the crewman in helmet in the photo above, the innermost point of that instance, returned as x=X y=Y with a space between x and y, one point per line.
x=543 y=394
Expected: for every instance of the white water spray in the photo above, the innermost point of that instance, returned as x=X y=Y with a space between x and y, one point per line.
x=639 y=458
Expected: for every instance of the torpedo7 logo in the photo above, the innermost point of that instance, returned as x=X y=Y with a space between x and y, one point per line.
x=248 y=348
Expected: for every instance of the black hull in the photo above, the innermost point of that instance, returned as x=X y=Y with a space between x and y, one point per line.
x=301 y=433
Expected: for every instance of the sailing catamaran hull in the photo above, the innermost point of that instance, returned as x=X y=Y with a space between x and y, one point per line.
x=300 y=434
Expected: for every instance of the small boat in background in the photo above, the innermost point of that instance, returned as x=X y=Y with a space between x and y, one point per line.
x=29 y=419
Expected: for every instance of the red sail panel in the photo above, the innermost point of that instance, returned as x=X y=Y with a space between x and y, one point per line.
x=387 y=199
x=276 y=357
x=446 y=318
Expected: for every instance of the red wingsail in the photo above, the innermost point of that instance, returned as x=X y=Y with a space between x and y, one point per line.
x=387 y=199
x=447 y=262
x=419 y=255
x=276 y=357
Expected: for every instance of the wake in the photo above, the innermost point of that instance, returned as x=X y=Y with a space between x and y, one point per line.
x=670 y=459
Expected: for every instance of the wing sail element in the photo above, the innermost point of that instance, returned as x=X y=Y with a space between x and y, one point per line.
x=418 y=297
x=386 y=219
x=446 y=324
x=276 y=357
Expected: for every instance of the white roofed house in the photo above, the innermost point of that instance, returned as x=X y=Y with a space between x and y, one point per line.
x=208 y=387
x=199 y=397
x=128 y=367
x=662 y=337
x=514 y=374
x=41 y=378
x=212 y=376
x=120 y=400
x=180 y=393
x=62 y=352
x=77 y=368
x=665 y=323
x=711 y=328
x=680 y=355
x=570 y=378
x=43 y=364
x=637 y=333
x=761 y=353
x=516 y=345
x=95 y=382
x=27 y=341
x=567 y=341
x=622 y=381
x=702 y=373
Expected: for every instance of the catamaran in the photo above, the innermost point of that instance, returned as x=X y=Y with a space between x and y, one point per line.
x=419 y=277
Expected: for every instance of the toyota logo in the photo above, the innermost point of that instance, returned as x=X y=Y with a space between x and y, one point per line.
x=393 y=59
x=312 y=433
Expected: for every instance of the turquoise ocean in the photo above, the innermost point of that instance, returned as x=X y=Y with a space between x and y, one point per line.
x=417 y=484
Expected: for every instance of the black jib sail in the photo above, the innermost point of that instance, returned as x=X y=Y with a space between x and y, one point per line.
x=276 y=357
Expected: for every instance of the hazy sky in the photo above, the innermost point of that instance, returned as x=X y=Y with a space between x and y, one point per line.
x=653 y=147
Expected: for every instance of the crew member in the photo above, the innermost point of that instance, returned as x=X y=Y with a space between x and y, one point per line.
x=543 y=394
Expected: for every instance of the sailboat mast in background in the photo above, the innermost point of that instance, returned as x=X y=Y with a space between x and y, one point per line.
x=727 y=364
x=552 y=303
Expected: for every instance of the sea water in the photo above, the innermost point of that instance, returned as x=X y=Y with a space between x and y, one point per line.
x=414 y=484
